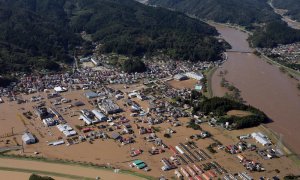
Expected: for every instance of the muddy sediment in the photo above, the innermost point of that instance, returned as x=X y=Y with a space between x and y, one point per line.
x=262 y=85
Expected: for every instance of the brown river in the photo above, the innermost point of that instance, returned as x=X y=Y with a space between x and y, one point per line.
x=262 y=85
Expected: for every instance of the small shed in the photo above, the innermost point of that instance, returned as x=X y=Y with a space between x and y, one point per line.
x=28 y=138
x=139 y=164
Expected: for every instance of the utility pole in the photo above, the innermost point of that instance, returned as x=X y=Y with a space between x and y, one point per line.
x=12 y=131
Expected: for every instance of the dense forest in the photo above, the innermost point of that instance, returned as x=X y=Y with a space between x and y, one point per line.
x=33 y=35
x=130 y=28
x=41 y=34
x=133 y=65
x=220 y=106
x=293 y=7
x=274 y=33
x=242 y=12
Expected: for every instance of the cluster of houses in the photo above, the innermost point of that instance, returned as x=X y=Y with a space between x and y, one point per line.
x=89 y=78
x=108 y=106
x=240 y=147
x=92 y=117
x=250 y=164
x=66 y=129
x=288 y=54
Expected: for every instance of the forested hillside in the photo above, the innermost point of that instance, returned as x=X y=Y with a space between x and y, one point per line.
x=274 y=33
x=256 y=15
x=293 y=7
x=242 y=12
x=39 y=34
x=33 y=35
x=130 y=28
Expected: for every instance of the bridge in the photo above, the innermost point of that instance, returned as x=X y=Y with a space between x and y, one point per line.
x=239 y=51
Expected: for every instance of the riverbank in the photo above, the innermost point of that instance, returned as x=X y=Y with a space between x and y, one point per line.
x=262 y=85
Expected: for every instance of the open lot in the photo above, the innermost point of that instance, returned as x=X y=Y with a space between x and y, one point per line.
x=190 y=84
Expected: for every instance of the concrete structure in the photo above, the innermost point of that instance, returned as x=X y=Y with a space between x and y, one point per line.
x=194 y=75
x=262 y=139
x=28 y=138
x=109 y=107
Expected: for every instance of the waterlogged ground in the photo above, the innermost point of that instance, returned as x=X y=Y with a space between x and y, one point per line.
x=262 y=85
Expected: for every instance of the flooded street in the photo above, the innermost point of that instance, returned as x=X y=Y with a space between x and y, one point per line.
x=262 y=85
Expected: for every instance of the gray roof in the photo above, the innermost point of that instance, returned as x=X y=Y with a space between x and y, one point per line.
x=91 y=94
x=115 y=135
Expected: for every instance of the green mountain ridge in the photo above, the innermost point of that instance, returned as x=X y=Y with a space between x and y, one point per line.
x=241 y=12
x=293 y=7
x=40 y=34
x=256 y=15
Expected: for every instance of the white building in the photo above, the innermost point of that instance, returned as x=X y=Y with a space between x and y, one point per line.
x=133 y=95
x=60 y=89
x=193 y=75
x=49 y=122
x=66 y=130
x=87 y=120
x=28 y=138
x=101 y=117
x=260 y=138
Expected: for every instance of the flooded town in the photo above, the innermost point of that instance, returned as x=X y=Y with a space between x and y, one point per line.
x=145 y=118
x=149 y=89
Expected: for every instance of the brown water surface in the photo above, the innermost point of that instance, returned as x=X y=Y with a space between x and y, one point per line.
x=262 y=85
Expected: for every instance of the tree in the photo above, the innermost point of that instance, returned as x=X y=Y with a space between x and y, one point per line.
x=133 y=65
x=37 y=177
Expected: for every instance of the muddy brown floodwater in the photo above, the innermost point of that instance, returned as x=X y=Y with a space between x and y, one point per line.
x=262 y=85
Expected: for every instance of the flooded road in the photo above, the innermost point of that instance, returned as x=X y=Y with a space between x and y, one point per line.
x=262 y=85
